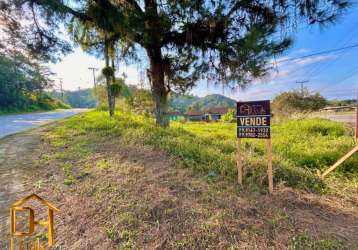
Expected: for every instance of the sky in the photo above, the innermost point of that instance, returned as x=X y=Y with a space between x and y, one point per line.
x=334 y=75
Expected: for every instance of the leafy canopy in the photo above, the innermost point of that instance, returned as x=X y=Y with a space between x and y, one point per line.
x=224 y=41
x=288 y=103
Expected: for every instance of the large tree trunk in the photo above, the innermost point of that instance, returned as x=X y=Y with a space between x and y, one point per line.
x=159 y=90
x=108 y=80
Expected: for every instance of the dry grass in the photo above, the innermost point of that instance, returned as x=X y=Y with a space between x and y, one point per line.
x=115 y=194
x=129 y=197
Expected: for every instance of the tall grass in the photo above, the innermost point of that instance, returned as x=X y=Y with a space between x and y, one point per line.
x=300 y=147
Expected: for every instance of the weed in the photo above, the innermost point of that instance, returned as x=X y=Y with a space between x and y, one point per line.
x=303 y=241
x=68 y=181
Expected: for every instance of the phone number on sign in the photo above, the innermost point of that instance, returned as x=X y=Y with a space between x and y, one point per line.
x=253 y=132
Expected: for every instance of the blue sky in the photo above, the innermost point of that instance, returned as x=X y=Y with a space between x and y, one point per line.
x=334 y=75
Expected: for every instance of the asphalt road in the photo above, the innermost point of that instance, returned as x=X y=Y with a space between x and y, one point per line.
x=11 y=124
x=347 y=118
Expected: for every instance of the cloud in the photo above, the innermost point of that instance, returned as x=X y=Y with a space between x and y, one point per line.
x=283 y=73
x=74 y=72
x=291 y=71
x=310 y=60
x=301 y=51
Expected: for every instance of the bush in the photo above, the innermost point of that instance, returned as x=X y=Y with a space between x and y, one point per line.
x=229 y=116
x=291 y=102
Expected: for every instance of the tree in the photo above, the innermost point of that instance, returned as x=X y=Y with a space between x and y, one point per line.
x=98 y=37
x=141 y=101
x=21 y=80
x=229 y=116
x=291 y=102
x=228 y=42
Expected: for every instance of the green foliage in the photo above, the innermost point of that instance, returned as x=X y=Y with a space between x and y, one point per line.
x=291 y=102
x=21 y=85
x=228 y=42
x=303 y=241
x=181 y=103
x=115 y=89
x=141 y=102
x=213 y=101
x=122 y=92
x=229 y=116
x=300 y=147
x=347 y=102
x=108 y=71
x=81 y=98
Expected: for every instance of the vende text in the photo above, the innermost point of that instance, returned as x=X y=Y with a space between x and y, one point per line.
x=253 y=121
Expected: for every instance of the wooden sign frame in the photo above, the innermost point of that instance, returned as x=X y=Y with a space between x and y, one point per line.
x=346 y=156
x=254 y=110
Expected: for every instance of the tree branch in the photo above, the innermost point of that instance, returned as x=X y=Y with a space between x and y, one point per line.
x=63 y=8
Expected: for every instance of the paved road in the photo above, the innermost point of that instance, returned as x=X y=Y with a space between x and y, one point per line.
x=348 y=118
x=10 y=124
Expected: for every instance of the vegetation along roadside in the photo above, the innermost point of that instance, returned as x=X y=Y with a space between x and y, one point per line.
x=142 y=186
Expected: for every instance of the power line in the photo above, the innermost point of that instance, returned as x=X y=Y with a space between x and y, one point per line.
x=351 y=74
x=322 y=67
x=318 y=53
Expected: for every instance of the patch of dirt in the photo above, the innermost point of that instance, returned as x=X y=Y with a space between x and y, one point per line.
x=17 y=154
x=134 y=197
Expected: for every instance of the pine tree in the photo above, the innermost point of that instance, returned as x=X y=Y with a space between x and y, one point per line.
x=224 y=41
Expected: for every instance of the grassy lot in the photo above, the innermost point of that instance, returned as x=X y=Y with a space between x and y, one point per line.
x=301 y=148
x=124 y=183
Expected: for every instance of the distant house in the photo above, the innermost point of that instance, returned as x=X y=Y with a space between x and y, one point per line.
x=195 y=116
x=214 y=114
x=339 y=108
x=175 y=115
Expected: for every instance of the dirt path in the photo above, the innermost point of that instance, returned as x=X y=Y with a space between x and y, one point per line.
x=16 y=163
x=120 y=196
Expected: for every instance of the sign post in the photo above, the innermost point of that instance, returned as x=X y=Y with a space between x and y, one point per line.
x=357 y=119
x=253 y=121
x=239 y=162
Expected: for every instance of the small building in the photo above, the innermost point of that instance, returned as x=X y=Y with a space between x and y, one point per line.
x=175 y=115
x=338 y=108
x=214 y=114
x=195 y=116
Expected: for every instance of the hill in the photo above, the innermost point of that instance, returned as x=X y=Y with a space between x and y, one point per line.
x=82 y=98
x=211 y=101
x=181 y=102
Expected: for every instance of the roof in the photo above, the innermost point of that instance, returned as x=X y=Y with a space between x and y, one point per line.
x=38 y=198
x=194 y=113
x=175 y=113
x=217 y=110
x=339 y=107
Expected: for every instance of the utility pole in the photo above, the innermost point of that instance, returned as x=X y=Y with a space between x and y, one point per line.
x=61 y=89
x=94 y=82
x=79 y=97
x=94 y=75
x=302 y=86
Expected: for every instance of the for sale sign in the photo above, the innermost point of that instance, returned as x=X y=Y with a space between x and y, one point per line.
x=253 y=119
